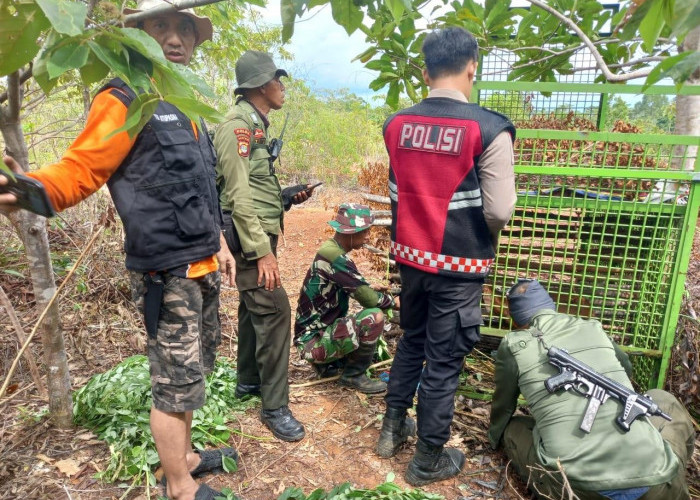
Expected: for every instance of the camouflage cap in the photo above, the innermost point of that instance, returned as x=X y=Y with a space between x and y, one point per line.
x=352 y=218
x=254 y=69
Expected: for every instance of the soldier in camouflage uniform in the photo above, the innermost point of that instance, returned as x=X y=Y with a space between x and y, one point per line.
x=324 y=333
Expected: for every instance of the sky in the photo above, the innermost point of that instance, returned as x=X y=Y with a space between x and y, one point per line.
x=323 y=52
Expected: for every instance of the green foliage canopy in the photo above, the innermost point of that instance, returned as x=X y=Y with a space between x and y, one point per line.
x=544 y=37
x=59 y=36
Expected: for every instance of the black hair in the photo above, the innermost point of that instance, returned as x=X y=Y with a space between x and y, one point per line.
x=447 y=51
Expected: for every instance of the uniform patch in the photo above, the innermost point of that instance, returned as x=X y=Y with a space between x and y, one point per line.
x=446 y=139
x=259 y=133
x=243 y=136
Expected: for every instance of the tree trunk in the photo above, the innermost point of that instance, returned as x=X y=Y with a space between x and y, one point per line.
x=32 y=231
x=688 y=106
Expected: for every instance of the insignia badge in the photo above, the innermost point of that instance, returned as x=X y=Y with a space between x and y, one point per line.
x=243 y=136
x=259 y=133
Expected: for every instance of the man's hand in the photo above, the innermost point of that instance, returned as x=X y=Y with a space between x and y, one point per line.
x=304 y=195
x=7 y=200
x=227 y=264
x=268 y=272
x=397 y=303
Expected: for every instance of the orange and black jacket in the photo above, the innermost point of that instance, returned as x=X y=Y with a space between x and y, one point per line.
x=162 y=182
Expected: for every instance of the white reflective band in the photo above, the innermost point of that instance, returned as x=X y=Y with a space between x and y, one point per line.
x=393 y=191
x=440 y=261
x=460 y=195
x=464 y=199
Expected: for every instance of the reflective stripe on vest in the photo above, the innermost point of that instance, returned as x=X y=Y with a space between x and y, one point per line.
x=439 y=261
x=393 y=191
x=463 y=199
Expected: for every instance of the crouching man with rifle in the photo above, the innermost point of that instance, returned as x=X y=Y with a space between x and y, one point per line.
x=585 y=417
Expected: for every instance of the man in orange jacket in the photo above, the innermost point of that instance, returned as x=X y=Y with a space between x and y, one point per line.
x=162 y=184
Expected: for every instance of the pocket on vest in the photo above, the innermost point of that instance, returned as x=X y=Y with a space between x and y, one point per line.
x=191 y=215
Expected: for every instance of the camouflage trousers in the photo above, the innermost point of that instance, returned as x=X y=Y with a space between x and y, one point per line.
x=342 y=337
x=183 y=350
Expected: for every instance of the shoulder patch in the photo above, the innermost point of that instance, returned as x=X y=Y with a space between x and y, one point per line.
x=243 y=136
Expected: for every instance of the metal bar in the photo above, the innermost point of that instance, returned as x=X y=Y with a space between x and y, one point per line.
x=595 y=88
x=678 y=277
x=680 y=175
x=603 y=110
x=573 y=135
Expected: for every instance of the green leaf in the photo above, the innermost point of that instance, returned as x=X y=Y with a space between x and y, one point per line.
x=20 y=27
x=685 y=17
x=679 y=67
x=229 y=464
x=195 y=109
x=396 y=7
x=652 y=24
x=93 y=71
x=138 y=114
x=366 y=55
x=347 y=14
x=66 y=16
x=71 y=54
x=392 y=97
x=11 y=272
x=39 y=67
x=113 y=57
x=288 y=14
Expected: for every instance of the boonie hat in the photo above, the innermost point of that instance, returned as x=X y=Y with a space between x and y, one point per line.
x=352 y=218
x=202 y=24
x=524 y=304
x=254 y=69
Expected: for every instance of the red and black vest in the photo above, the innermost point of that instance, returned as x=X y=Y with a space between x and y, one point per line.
x=438 y=223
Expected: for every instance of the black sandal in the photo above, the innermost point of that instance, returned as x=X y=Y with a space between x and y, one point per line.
x=211 y=462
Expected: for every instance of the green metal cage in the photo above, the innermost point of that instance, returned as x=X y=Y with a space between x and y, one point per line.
x=604 y=220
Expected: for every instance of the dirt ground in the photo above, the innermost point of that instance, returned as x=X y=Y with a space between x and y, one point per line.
x=341 y=425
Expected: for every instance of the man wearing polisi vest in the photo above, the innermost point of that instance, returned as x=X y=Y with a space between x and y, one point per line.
x=452 y=190
x=254 y=204
x=162 y=182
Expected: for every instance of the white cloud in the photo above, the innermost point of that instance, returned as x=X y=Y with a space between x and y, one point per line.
x=323 y=51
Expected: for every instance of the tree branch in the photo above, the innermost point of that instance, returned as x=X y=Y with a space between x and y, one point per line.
x=609 y=75
x=14 y=96
x=23 y=77
x=170 y=6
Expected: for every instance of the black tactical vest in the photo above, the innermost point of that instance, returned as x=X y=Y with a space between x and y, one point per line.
x=165 y=191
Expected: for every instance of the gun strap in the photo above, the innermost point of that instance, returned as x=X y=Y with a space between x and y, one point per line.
x=540 y=338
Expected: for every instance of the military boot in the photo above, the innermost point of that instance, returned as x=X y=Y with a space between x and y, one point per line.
x=396 y=429
x=328 y=370
x=354 y=375
x=433 y=463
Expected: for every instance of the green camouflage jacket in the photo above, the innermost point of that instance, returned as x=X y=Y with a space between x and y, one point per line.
x=325 y=294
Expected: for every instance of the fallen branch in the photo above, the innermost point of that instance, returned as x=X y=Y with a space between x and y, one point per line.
x=82 y=255
x=19 y=331
x=336 y=377
x=376 y=198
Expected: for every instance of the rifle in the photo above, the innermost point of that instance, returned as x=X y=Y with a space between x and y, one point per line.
x=573 y=374
x=275 y=146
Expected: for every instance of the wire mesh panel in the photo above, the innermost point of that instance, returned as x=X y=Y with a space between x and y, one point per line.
x=525 y=105
x=605 y=221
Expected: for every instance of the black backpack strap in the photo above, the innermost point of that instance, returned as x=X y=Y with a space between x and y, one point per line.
x=119 y=89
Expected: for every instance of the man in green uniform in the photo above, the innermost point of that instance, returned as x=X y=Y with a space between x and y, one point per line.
x=324 y=333
x=253 y=204
x=647 y=462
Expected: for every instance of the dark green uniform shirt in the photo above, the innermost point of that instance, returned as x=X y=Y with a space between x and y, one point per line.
x=605 y=459
x=247 y=186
